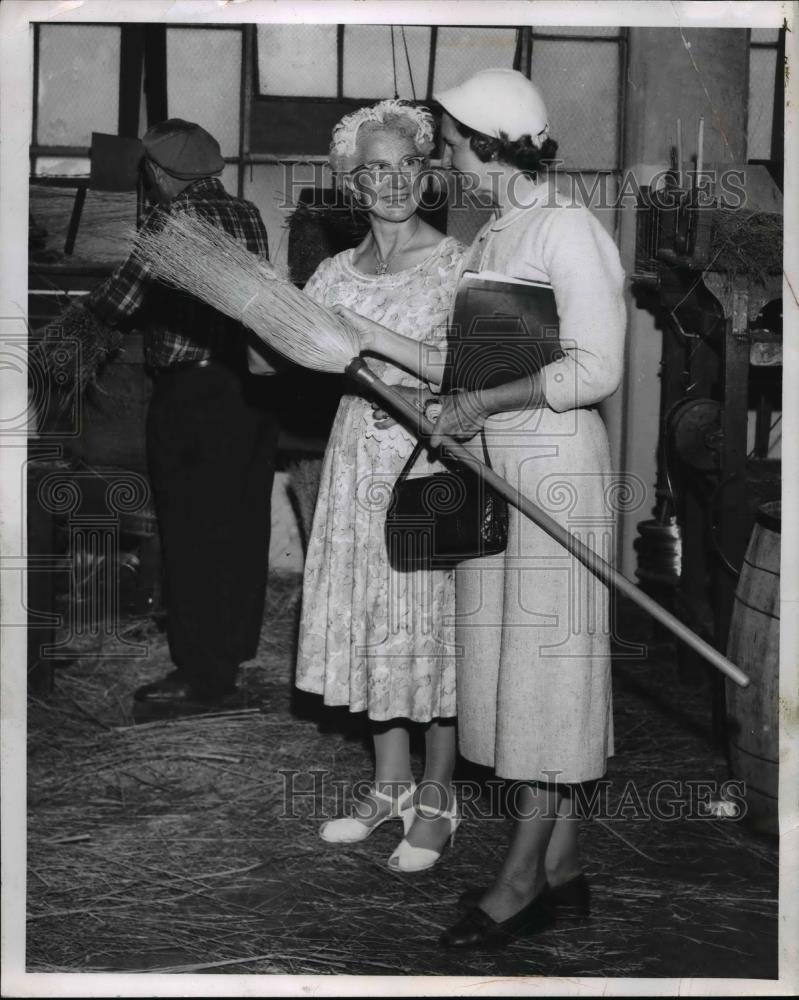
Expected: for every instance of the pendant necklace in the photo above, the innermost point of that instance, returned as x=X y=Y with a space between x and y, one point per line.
x=381 y=267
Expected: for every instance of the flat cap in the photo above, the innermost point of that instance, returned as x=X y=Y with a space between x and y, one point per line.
x=185 y=150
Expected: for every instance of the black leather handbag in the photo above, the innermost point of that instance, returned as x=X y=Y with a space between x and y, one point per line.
x=501 y=330
x=439 y=520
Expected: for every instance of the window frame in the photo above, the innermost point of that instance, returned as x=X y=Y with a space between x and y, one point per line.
x=252 y=102
x=42 y=150
x=778 y=47
x=340 y=105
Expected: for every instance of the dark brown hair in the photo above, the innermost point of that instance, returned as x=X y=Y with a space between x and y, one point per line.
x=519 y=153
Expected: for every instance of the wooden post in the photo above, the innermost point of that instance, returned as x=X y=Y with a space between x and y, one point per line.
x=155 y=89
x=74 y=219
x=131 y=55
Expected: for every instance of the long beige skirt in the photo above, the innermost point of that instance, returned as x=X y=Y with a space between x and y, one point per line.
x=532 y=624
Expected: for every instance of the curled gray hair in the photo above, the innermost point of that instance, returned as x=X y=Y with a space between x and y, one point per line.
x=393 y=115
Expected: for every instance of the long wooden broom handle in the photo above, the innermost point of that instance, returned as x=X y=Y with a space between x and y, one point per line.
x=359 y=370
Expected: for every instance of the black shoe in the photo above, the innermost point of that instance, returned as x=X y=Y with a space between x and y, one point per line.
x=477 y=930
x=174 y=688
x=572 y=899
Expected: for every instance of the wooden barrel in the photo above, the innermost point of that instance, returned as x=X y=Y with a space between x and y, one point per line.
x=754 y=645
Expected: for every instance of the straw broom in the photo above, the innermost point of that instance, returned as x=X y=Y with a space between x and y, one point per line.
x=198 y=257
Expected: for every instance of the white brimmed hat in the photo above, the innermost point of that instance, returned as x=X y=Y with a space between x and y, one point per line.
x=498 y=100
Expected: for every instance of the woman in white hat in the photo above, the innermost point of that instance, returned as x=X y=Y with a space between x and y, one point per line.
x=534 y=691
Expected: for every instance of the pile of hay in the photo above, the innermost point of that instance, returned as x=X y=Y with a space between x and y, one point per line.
x=746 y=243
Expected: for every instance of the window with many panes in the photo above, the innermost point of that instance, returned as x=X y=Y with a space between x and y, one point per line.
x=309 y=76
x=278 y=89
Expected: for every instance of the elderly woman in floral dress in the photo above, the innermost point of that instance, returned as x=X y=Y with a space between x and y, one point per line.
x=373 y=637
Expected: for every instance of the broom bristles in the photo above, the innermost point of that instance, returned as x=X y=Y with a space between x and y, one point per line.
x=198 y=257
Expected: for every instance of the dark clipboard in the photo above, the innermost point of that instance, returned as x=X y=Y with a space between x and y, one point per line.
x=500 y=331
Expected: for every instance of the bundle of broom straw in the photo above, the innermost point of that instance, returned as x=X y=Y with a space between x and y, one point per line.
x=193 y=254
x=71 y=352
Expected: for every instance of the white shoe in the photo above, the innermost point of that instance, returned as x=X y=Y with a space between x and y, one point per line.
x=350 y=829
x=408 y=858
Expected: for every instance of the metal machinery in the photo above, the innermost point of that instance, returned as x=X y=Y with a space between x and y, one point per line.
x=719 y=306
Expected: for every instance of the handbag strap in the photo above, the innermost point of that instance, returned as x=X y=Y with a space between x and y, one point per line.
x=417 y=450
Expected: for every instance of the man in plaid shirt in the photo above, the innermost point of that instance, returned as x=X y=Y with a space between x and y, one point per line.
x=211 y=432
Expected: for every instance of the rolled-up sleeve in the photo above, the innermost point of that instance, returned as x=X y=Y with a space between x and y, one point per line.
x=588 y=282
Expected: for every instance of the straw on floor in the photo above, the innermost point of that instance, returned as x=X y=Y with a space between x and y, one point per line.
x=174 y=846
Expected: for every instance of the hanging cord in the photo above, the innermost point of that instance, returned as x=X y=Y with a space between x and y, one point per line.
x=394 y=62
x=698 y=338
x=680 y=329
x=665 y=452
x=408 y=61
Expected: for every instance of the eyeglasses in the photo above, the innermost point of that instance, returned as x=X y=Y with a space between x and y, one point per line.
x=380 y=171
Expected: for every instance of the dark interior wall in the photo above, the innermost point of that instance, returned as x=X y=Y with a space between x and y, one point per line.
x=286 y=127
x=674 y=73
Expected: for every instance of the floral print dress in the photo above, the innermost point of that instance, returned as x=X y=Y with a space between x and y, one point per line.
x=371 y=637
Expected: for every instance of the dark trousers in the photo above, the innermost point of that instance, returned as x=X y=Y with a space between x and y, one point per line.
x=211 y=445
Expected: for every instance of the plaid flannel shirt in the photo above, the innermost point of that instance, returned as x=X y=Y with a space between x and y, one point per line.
x=178 y=327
